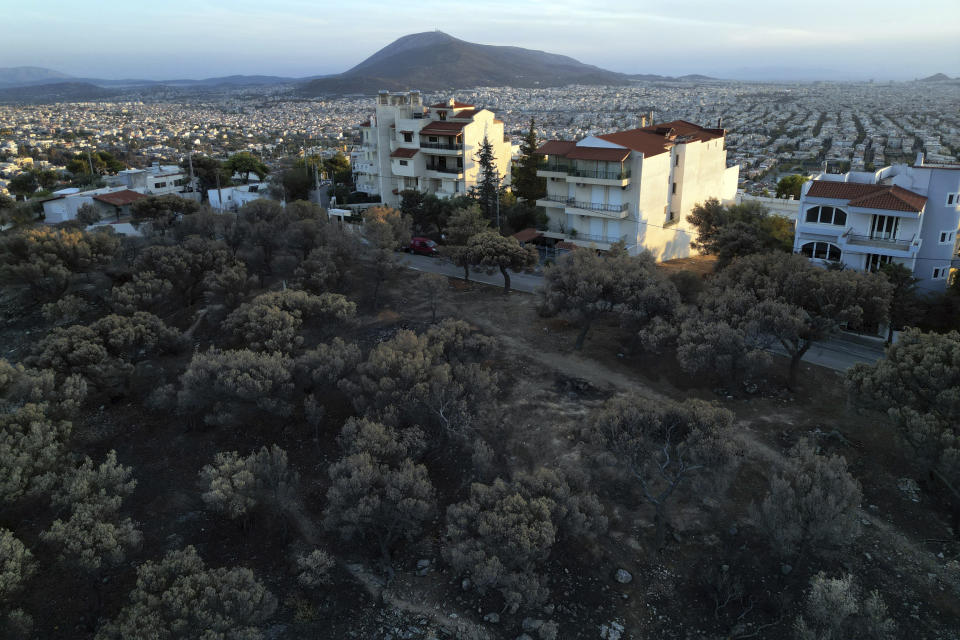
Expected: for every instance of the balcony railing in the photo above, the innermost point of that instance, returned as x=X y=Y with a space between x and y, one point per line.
x=554 y=166
x=436 y=167
x=891 y=243
x=560 y=199
x=601 y=174
x=598 y=206
x=441 y=145
x=592 y=238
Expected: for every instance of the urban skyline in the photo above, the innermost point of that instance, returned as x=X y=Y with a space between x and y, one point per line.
x=745 y=40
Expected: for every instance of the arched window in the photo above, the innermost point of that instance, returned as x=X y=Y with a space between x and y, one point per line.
x=827 y=215
x=821 y=251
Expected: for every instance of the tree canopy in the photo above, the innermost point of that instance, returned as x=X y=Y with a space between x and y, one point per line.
x=738 y=230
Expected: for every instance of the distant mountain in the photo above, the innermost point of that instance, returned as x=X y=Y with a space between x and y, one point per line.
x=57 y=92
x=26 y=76
x=937 y=77
x=434 y=61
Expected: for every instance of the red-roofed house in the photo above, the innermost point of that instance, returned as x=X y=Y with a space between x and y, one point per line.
x=902 y=214
x=409 y=146
x=637 y=186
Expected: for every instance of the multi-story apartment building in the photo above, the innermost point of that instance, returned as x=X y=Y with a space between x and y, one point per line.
x=637 y=186
x=408 y=146
x=907 y=214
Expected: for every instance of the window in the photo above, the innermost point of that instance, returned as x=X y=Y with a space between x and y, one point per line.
x=433 y=138
x=442 y=115
x=952 y=199
x=875 y=261
x=674 y=187
x=821 y=251
x=940 y=273
x=676 y=161
x=404 y=163
x=946 y=237
x=407 y=136
x=827 y=215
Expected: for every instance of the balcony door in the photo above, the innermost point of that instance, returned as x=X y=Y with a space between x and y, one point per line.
x=884 y=227
x=596 y=194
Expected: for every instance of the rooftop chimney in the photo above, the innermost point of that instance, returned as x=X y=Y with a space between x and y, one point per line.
x=650 y=117
x=643 y=121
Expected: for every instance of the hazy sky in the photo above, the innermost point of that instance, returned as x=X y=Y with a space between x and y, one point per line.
x=168 y=39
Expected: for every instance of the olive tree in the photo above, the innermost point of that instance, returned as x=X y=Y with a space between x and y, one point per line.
x=94 y=535
x=223 y=386
x=663 y=448
x=916 y=383
x=377 y=490
x=32 y=451
x=504 y=533
x=179 y=597
x=435 y=290
x=262 y=480
x=810 y=504
x=161 y=212
x=584 y=287
x=16 y=565
x=433 y=379
x=464 y=224
x=491 y=250
x=385 y=230
x=795 y=304
x=837 y=609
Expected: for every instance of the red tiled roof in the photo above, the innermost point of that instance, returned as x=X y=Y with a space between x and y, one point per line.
x=686 y=129
x=456 y=105
x=869 y=196
x=555 y=148
x=563 y=244
x=526 y=235
x=598 y=153
x=403 y=152
x=443 y=128
x=645 y=141
x=466 y=113
x=120 y=198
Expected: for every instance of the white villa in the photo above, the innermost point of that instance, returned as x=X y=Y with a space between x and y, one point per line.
x=637 y=186
x=407 y=146
x=908 y=214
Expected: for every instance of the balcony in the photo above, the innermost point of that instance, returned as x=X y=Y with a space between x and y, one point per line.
x=553 y=201
x=871 y=241
x=880 y=244
x=553 y=170
x=599 y=207
x=441 y=146
x=449 y=170
x=601 y=174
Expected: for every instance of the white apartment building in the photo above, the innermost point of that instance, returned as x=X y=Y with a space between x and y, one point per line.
x=155 y=180
x=408 y=146
x=637 y=186
x=907 y=214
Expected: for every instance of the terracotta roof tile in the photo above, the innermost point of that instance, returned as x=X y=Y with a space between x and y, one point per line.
x=869 y=196
x=466 y=113
x=120 y=198
x=526 y=235
x=555 y=148
x=598 y=153
x=404 y=152
x=443 y=128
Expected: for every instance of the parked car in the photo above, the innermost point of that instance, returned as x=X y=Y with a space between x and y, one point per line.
x=423 y=247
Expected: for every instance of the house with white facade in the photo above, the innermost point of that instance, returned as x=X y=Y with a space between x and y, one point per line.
x=432 y=149
x=64 y=204
x=906 y=214
x=236 y=196
x=637 y=186
x=155 y=180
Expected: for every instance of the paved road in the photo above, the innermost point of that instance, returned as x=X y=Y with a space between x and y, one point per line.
x=526 y=282
x=839 y=353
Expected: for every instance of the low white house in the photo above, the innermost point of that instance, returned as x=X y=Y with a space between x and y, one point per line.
x=63 y=205
x=236 y=196
x=906 y=214
x=155 y=180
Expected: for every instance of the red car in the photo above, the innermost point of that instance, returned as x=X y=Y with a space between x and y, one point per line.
x=423 y=247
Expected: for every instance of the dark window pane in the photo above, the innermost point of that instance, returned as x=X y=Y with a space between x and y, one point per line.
x=840 y=217
x=813 y=214
x=807 y=249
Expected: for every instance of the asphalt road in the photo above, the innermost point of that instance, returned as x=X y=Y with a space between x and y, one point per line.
x=839 y=353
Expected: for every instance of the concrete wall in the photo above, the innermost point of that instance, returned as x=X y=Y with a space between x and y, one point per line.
x=777 y=206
